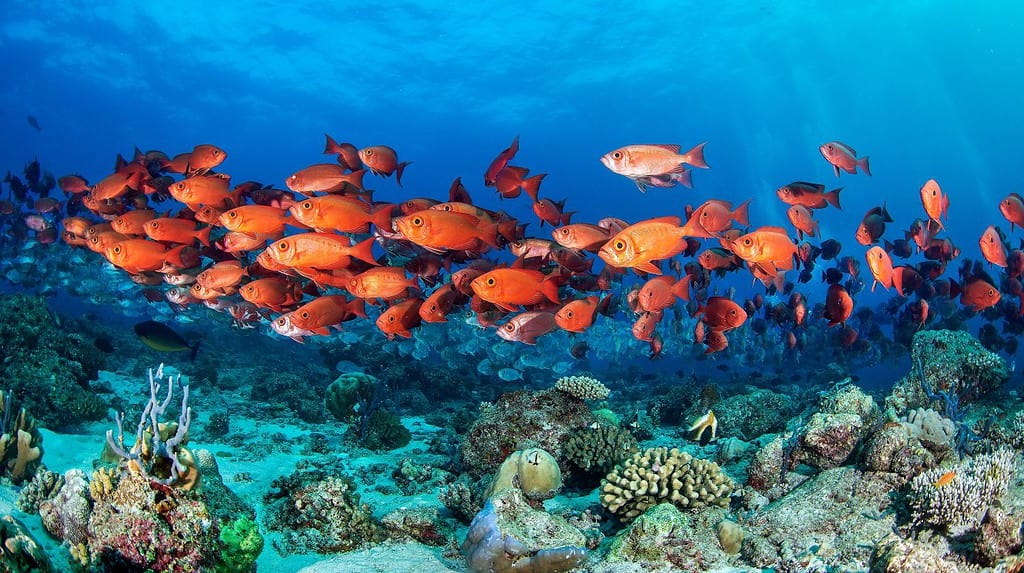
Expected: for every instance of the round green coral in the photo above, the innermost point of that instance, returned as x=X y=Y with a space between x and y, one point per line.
x=347 y=391
x=241 y=544
x=600 y=447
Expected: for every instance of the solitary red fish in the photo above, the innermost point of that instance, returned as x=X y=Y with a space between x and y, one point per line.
x=639 y=162
x=844 y=157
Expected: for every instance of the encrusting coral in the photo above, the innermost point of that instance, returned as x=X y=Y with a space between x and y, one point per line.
x=659 y=475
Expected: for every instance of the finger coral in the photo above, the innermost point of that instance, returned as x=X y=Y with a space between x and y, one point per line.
x=957 y=498
x=582 y=387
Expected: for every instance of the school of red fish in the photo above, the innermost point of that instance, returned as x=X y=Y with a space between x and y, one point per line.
x=308 y=258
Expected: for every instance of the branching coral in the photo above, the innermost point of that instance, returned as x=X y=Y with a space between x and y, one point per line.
x=659 y=475
x=957 y=498
x=582 y=387
x=158 y=452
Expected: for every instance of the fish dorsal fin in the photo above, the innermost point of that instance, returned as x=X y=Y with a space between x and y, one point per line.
x=671 y=220
x=771 y=229
x=669 y=146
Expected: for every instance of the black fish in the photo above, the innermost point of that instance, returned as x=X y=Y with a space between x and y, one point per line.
x=161 y=337
x=33 y=122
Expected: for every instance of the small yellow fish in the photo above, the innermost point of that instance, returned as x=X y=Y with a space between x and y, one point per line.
x=705 y=429
x=945 y=479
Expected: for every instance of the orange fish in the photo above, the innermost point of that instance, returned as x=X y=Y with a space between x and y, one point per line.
x=325 y=251
x=842 y=156
x=323 y=312
x=577 y=315
x=992 y=247
x=946 y=478
x=398 y=319
x=386 y=283
x=551 y=212
x=136 y=255
x=180 y=231
x=73 y=184
x=581 y=236
x=132 y=222
x=499 y=163
x=438 y=231
x=715 y=342
x=204 y=190
x=348 y=154
x=659 y=293
x=882 y=270
x=382 y=160
x=511 y=288
x=638 y=245
x=936 y=204
x=114 y=186
x=440 y=303
x=511 y=180
x=179 y=164
x=810 y=195
x=769 y=248
x=222 y=276
x=838 y=305
x=643 y=327
x=721 y=314
x=1012 y=207
x=714 y=217
x=638 y=162
x=203 y=158
x=255 y=219
x=325 y=177
x=801 y=218
x=977 y=294
x=341 y=213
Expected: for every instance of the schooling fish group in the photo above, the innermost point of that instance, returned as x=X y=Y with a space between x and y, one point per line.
x=310 y=258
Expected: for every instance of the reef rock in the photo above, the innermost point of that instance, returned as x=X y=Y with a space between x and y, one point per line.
x=509 y=535
x=843 y=419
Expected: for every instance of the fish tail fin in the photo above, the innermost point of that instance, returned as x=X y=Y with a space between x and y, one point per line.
x=897 y=280
x=381 y=216
x=863 y=164
x=549 y=286
x=403 y=165
x=682 y=288
x=489 y=235
x=355 y=179
x=204 y=235
x=195 y=350
x=531 y=185
x=331 y=147
x=566 y=216
x=364 y=251
x=357 y=307
x=695 y=156
x=742 y=214
x=832 y=197
x=684 y=178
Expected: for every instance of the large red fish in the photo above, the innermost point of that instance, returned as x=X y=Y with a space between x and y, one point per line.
x=638 y=245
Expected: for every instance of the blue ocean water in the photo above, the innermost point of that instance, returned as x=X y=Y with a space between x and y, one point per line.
x=926 y=89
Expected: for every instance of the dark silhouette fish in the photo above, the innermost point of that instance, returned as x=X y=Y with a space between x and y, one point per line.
x=162 y=338
x=33 y=122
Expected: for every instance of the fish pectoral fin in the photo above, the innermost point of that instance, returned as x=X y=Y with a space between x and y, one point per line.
x=836 y=168
x=640 y=185
x=648 y=267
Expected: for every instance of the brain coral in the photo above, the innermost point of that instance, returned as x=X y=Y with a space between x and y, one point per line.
x=659 y=475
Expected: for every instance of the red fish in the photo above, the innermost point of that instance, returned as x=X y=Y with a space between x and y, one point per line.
x=721 y=314
x=510 y=181
x=382 y=160
x=838 y=305
x=992 y=247
x=844 y=157
x=499 y=163
x=577 y=315
x=977 y=294
x=882 y=270
x=936 y=204
x=511 y=288
x=1012 y=207
x=399 y=319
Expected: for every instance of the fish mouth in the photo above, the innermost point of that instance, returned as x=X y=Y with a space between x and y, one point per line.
x=607 y=161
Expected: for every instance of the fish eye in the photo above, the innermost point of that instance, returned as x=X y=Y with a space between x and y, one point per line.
x=282 y=321
x=391 y=318
x=304 y=314
x=307 y=205
x=369 y=152
x=448 y=208
x=829 y=147
x=747 y=242
x=732 y=312
x=282 y=246
x=490 y=281
x=568 y=314
x=617 y=155
x=433 y=308
x=564 y=231
x=117 y=249
x=156 y=225
x=620 y=245
x=510 y=327
x=232 y=214
x=991 y=292
x=417 y=221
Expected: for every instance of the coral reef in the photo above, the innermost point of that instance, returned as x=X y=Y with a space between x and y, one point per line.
x=958 y=498
x=21 y=444
x=299 y=392
x=19 y=551
x=66 y=515
x=241 y=543
x=520 y=420
x=659 y=475
x=48 y=369
x=534 y=471
x=358 y=398
x=582 y=387
x=894 y=555
x=665 y=539
x=44 y=485
x=892 y=448
x=509 y=535
x=423 y=524
x=956 y=368
x=599 y=448
x=752 y=414
x=844 y=418
x=315 y=512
